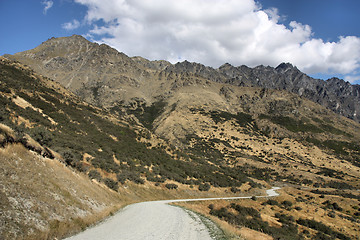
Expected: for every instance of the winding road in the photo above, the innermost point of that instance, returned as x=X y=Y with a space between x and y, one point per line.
x=155 y=220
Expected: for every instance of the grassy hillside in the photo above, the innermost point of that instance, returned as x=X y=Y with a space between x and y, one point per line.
x=95 y=142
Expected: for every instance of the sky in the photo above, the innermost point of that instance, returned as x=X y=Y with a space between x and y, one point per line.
x=321 y=38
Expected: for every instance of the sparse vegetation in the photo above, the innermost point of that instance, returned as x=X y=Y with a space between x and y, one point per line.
x=250 y=217
x=111 y=184
x=322 y=229
x=204 y=187
x=171 y=186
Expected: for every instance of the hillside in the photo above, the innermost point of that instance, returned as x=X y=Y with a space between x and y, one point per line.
x=63 y=160
x=182 y=130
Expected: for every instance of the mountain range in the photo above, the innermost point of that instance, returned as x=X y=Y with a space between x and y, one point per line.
x=90 y=69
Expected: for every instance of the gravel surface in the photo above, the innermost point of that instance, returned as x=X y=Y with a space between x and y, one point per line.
x=148 y=221
x=154 y=220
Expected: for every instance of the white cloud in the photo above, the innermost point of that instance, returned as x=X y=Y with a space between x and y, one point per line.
x=74 y=24
x=352 y=79
x=213 y=32
x=47 y=5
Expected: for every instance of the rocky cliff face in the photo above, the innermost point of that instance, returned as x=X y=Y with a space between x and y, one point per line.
x=101 y=75
x=335 y=94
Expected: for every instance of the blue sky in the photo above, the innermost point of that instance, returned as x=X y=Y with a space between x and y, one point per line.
x=320 y=37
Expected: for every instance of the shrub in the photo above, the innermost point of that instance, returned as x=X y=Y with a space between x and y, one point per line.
x=69 y=158
x=284 y=218
x=250 y=217
x=271 y=202
x=331 y=214
x=121 y=178
x=322 y=228
x=333 y=206
x=171 y=186
x=204 y=187
x=234 y=189
x=93 y=174
x=42 y=136
x=111 y=184
x=286 y=204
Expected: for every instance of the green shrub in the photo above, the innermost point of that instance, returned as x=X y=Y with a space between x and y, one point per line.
x=235 y=190
x=111 y=184
x=322 y=228
x=148 y=114
x=292 y=124
x=332 y=206
x=250 y=217
x=171 y=186
x=204 y=187
x=93 y=174
x=271 y=202
x=287 y=204
x=283 y=218
x=42 y=136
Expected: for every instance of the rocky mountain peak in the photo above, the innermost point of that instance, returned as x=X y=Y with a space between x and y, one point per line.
x=226 y=66
x=282 y=67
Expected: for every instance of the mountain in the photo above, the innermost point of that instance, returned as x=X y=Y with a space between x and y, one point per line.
x=335 y=94
x=94 y=71
x=151 y=129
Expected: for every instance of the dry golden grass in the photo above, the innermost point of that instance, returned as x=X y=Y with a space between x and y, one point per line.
x=42 y=197
x=250 y=234
x=311 y=208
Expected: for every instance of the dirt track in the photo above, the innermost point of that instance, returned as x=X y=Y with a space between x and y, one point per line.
x=153 y=221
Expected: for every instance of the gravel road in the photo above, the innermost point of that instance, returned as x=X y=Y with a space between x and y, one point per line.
x=155 y=220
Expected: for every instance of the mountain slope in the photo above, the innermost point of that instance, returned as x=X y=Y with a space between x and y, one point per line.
x=43 y=199
x=195 y=111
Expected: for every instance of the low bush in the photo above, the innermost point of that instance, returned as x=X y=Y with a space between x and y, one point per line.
x=204 y=187
x=111 y=184
x=235 y=190
x=250 y=218
x=93 y=174
x=332 y=206
x=286 y=204
x=171 y=186
x=271 y=202
x=322 y=228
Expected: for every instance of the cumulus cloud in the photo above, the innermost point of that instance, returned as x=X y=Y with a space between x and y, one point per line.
x=213 y=32
x=74 y=24
x=47 y=6
x=352 y=78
